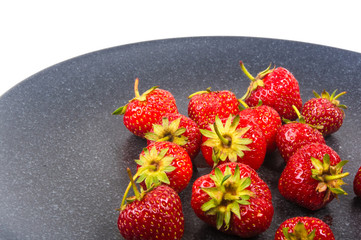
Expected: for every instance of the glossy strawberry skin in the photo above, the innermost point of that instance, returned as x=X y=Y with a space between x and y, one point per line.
x=180 y=177
x=296 y=183
x=281 y=91
x=250 y=224
x=253 y=158
x=158 y=215
x=140 y=116
x=357 y=183
x=323 y=231
x=269 y=122
x=320 y=111
x=204 y=107
x=292 y=136
x=194 y=136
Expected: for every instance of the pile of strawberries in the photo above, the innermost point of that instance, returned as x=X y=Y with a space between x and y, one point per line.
x=233 y=136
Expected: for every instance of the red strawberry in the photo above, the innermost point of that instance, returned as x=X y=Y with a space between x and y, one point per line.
x=276 y=88
x=312 y=176
x=293 y=135
x=204 y=106
x=325 y=110
x=234 y=139
x=234 y=199
x=267 y=119
x=357 y=183
x=152 y=214
x=164 y=162
x=308 y=228
x=179 y=129
x=144 y=110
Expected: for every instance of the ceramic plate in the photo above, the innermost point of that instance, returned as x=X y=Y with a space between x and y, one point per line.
x=64 y=156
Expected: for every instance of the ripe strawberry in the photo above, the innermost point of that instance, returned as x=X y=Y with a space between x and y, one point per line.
x=312 y=176
x=144 y=110
x=233 y=139
x=164 y=162
x=308 y=228
x=293 y=135
x=234 y=199
x=276 y=88
x=152 y=214
x=357 y=183
x=267 y=119
x=325 y=110
x=179 y=129
x=204 y=106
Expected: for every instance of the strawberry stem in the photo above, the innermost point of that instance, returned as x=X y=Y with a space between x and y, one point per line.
x=301 y=119
x=255 y=82
x=245 y=71
x=223 y=139
x=208 y=90
x=243 y=103
x=135 y=189
x=131 y=183
x=136 y=91
x=250 y=87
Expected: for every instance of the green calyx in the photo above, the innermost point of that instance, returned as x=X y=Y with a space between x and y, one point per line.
x=332 y=98
x=229 y=193
x=299 y=233
x=208 y=90
x=142 y=98
x=226 y=140
x=329 y=177
x=170 y=132
x=255 y=81
x=154 y=167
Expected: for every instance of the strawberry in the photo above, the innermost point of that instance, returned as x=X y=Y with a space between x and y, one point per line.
x=233 y=139
x=179 y=129
x=155 y=213
x=164 y=162
x=325 y=110
x=144 y=110
x=313 y=176
x=308 y=228
x=276 y=88
x=234 y=199
x=293 y=135
x=204 y=106
x=357 y=183
x=267 y=119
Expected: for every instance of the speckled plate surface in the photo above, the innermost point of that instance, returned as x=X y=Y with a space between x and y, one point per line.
x=63 y=155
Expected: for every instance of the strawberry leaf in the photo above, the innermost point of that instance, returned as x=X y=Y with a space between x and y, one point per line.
x=209 y=205
x=121 y=110
x=207 y=133
x=220 y=219
x=163 y=178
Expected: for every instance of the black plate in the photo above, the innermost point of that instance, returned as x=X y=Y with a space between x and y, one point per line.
x=63 y=155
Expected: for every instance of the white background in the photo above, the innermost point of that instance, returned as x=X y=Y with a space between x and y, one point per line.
x=36 y=34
